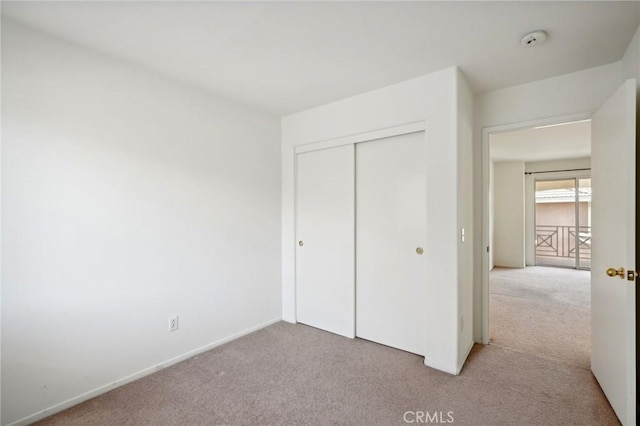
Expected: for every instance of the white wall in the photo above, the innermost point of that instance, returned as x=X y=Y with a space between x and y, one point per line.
x=432 y=98
x=1 y=185
x=465 y=218
x=556 y=166
x=630 y=68
x=529 y=192
x=492 y=208
x=508 y=244
x=126 y=199
x=573 y=93
x=529 y=219
x=630 y=64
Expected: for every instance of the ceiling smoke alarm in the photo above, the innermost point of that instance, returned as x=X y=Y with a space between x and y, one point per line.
x=536 y=37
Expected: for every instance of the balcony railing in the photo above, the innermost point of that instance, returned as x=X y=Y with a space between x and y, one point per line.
x=556 y=245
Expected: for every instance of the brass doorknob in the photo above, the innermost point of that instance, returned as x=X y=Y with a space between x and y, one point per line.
x=419 y=250
x=612 y=272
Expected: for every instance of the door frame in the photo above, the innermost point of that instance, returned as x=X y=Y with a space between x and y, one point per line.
x=637 y=255
x=486 y=163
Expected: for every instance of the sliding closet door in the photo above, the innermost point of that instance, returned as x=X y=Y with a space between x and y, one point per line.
x=390 y=237
x=325 y=252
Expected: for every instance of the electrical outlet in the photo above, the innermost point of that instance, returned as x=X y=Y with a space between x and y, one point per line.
x=173 y=323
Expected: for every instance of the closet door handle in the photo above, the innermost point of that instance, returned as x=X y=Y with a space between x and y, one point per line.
x=300 y=243
x=419 y=250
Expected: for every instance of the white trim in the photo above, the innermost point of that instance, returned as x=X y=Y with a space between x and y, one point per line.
x=486 y=268
x=451 y=369
x=135 y=376
x=464 y=358
x=486 y=131
x=416 y=126
x=294 y=320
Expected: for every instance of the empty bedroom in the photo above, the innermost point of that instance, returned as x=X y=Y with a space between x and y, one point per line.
x=285 y=213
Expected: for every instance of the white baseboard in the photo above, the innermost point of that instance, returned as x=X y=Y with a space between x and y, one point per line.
x=453 y=370
x=439 y=366
x=464 y=358
x=135 y=376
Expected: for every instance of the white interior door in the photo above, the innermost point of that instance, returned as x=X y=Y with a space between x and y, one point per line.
x=325 y=255
x=390 y=231
x=613 y=325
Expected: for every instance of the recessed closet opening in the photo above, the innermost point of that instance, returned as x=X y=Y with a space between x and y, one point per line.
x=361 y=231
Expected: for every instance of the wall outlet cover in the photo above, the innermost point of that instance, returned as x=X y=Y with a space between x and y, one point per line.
x=173 y=323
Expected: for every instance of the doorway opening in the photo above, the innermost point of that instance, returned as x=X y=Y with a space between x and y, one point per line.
x=539 y=188
x=613 y=308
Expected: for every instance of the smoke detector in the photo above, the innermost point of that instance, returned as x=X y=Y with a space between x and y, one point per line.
x=536 y=37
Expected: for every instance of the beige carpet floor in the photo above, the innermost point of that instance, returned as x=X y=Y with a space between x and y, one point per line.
x=298 y=375
x=543 y=311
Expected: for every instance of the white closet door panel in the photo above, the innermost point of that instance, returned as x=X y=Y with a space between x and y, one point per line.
x=325 y=262
x=390 y=227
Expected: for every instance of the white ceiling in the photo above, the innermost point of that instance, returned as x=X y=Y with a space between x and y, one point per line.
x=549 y=143
x=285 y=57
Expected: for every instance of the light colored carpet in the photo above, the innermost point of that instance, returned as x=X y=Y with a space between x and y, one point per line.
x=298 y=375
x=543 y=311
